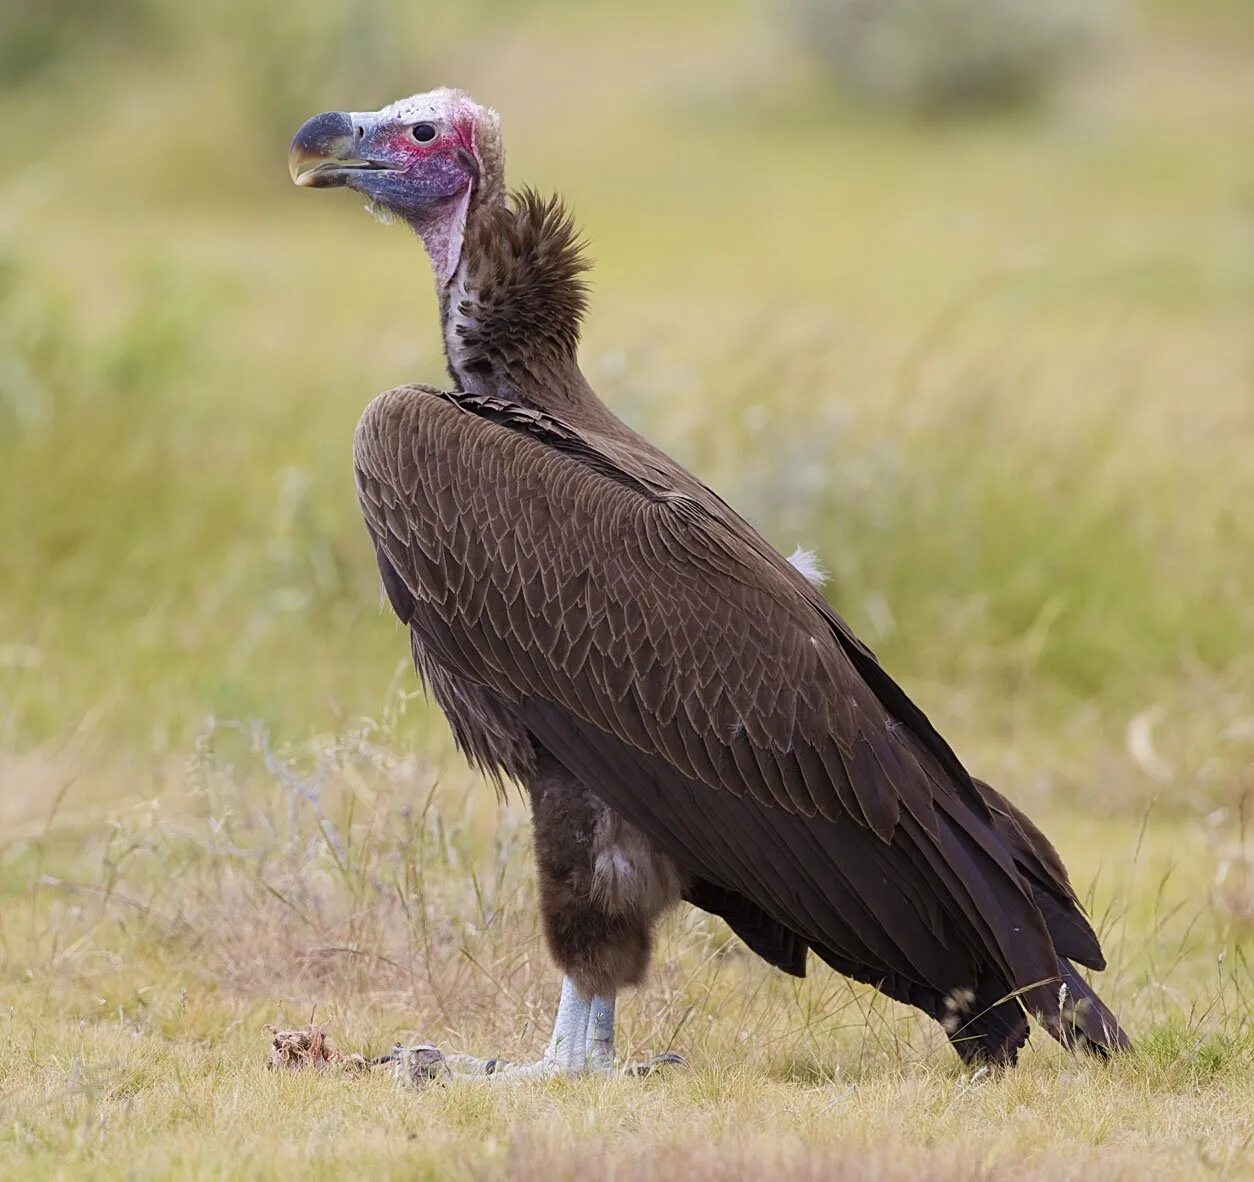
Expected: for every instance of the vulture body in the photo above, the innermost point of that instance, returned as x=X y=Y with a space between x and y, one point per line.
x=690 y=717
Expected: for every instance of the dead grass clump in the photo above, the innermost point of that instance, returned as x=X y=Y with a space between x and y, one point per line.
x=336 y=868
x=308 y=1046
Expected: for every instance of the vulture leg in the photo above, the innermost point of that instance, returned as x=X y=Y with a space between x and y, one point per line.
x=601 y=1034
x=567 y=1052
x=602 y=888
x=582 y=1043
x=576 y=1044
x=602 y=885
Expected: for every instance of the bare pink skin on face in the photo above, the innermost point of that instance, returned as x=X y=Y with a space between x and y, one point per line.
x=423 y=159
x=451 y=154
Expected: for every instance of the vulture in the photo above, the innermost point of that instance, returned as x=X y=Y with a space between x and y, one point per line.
x=691 y=719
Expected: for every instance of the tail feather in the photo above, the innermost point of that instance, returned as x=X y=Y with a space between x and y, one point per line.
x=1086 y=1020
x=1081 y=1020
x=1045 y=875
x=986 y=1026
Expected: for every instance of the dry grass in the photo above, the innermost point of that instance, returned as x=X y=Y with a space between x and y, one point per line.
x=1004 y=373
x=142 y=962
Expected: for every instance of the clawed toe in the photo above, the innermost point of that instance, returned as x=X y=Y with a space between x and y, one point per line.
x=582 y=1044
x=654 y=1063
x=424 y=1064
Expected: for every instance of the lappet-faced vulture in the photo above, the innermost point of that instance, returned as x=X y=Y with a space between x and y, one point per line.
x=691 y=719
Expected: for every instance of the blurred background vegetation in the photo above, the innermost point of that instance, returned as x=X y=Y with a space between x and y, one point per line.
x=958 y=295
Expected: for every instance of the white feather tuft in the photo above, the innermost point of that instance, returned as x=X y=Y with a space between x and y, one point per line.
x=807 y=562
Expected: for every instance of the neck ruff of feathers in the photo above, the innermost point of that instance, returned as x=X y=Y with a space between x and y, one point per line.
x=513 y=310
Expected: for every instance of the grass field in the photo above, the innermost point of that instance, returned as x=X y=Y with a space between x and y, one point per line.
x=998 y=373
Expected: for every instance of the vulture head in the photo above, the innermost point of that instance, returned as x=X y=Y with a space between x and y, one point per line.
x=427 y=159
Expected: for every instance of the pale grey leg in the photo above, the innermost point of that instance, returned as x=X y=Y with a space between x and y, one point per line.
x=582 y=1041
x=568 y=1048
x=566 y=1054
x=601 y=1034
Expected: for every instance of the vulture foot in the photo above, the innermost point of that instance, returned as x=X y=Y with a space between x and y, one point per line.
x=643 y=1068
x=582 y=1044
x=542 y=1068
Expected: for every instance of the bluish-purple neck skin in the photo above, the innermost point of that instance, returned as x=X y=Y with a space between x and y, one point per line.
x=433 y=197
x=423 y=172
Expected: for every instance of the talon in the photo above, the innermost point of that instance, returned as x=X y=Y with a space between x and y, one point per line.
x=390 y=1057
x=647 y=1067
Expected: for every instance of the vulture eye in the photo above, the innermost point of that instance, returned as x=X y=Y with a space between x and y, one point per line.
x=424 y=133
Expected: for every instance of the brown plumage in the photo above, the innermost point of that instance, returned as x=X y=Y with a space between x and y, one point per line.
x=691 y=718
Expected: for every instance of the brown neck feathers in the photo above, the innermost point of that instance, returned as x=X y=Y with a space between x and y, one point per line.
x=512 y=312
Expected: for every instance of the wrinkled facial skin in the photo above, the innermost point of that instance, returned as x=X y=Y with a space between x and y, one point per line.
x=417 y=158
x=376 y=154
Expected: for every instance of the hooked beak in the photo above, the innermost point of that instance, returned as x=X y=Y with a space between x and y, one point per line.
x=325 y=152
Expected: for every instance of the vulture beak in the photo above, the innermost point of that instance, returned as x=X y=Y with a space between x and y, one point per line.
x=325 y=152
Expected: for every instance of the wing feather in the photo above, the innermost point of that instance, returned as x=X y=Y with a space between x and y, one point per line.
x=666 y=650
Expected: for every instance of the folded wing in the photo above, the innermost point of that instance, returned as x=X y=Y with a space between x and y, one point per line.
x=661 y=650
